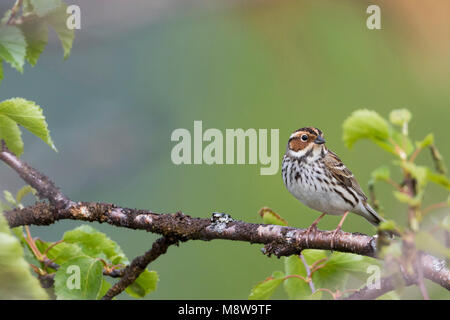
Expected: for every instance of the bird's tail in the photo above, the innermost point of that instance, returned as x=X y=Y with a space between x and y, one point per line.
x=374 y=218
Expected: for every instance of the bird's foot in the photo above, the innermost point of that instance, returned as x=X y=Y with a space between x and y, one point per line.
x=333 y=237
x=313 y=228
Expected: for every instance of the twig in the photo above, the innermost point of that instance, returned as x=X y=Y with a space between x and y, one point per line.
x=14 y=10
x=139 y=265
x=44 y=186
x=308 y=273
x=434 y=207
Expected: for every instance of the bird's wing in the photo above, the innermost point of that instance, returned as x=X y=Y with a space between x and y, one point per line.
x=342 y=174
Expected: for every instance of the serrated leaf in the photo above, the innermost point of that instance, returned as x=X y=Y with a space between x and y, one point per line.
x=270 y=217
x=79 y=279
x=296 y=288
x=427 y=141
x=144 y=284
x=400 y=116
x=13 y=46
x=10 y=132
x=16 y=281
x=265 y=289
x=27 y=114
x=57 y=19
x=96 y=244
x=365 y=124
x=36 y=35
x=426 y=242
x=43 y=7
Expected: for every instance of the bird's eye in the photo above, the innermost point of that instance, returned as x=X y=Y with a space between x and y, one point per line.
x=304 y=137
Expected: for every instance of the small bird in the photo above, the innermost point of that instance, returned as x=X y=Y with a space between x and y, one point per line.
x=317 y=177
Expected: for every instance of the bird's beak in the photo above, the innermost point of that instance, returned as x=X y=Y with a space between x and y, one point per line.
x=319 y=140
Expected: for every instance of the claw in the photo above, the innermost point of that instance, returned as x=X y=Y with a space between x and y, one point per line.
x=335 y=232
x=313 y=227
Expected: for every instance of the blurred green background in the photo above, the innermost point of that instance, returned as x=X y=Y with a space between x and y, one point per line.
x=140 y=69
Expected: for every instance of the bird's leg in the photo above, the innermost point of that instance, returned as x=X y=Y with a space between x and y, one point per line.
x=338 y=229
x=312 y=227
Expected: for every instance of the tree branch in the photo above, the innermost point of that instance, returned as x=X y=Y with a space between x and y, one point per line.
x=277 y=240
x=138 y=265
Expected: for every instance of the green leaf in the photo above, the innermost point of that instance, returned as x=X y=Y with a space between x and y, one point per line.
x=4 y=206
x=427 y=141
x=270 y=217
x=439 y=179
x=426 y=242
x=43 y=7
x=338 y=267
x=57 y=19
x=79 y=279
x=23 y=192
x=265 y=289
x=36 y=35
x=27 y=114
x=296 y=288
x=403 y=197
x=13 y=46
x=9 y=197
x=388 y=225
x=144 y=284
x=16 y=280
x=392 y=295
x=96 y=244
x=365 y=124
x=10 y=132
x=312 y=255
x=381 y=174
x=61 y=252
x=103 y=289
x=400 y=116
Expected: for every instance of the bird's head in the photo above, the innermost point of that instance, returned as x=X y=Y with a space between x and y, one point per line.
x=305 y=141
